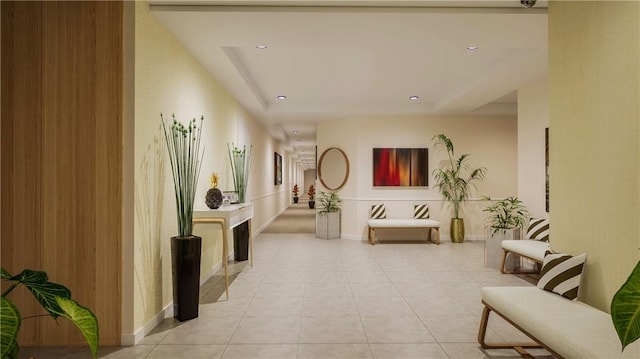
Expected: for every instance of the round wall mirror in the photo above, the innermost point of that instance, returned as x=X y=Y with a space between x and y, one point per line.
x=333 y=168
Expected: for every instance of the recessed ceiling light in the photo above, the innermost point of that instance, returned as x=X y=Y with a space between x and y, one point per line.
x=471 y=48
x=261 y=47
x=413 y=98
x=281 y=97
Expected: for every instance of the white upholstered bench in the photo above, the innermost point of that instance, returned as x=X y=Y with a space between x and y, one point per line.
x=528 y=248
x=566 y=328
x=387 y=223
x=533 y=247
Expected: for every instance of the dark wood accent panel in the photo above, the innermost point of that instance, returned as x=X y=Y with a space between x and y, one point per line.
x=62 y=157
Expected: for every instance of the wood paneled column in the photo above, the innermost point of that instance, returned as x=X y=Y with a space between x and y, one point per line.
x=62 y=158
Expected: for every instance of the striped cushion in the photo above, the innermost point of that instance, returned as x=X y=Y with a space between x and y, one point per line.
x=421 y=211
x=378 y=211
x=561 y=274
x=538 y=229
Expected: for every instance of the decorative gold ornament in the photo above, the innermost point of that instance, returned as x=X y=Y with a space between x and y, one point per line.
x=214 y=180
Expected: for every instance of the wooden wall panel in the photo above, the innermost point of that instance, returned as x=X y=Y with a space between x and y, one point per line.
x=70 y=193
x=109 y=158
x=21 y=150
x=69 y=135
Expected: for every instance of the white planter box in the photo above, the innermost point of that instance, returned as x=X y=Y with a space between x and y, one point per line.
x=493 y=249
x=328 y=225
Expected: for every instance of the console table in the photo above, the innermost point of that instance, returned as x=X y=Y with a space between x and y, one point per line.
x=228 y=217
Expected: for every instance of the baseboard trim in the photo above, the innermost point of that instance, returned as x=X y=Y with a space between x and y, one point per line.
x=264 y=226
x=130 y=339
x=137 y=336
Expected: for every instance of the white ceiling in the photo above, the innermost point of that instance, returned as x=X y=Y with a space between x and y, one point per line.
x=340 y=59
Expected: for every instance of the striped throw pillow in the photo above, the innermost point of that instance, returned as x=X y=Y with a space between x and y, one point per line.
x=561 y=274
x=378 y=211
x=538 y=229
x=421 y=211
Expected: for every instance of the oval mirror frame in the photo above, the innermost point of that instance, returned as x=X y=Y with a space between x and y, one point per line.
x=346 y=174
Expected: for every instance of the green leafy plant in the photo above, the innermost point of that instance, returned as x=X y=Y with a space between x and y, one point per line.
x=625 y=309
x=54 y=298
x=183 y=144
x=311 y=192
x=240 y=166
x=296 y=190
x=329 y=202
x=456 y=181
x=506 y=214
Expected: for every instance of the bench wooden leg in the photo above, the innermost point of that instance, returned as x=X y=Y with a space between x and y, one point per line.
x=482 y=332
x=436 y=237
x=503 y=263
x=372 y=236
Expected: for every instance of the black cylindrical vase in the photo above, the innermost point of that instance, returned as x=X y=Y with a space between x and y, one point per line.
x=185 y=260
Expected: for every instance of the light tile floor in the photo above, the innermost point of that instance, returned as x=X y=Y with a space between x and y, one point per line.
x=314 y=298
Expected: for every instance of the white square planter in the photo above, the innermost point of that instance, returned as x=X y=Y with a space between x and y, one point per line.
x=493 y=249
x=328 y=225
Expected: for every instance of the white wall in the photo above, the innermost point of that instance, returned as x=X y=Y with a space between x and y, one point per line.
x=491 y=141
x=533 y=118
x=169 y=80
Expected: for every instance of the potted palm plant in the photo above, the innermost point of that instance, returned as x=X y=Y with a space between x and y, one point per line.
x=455 y=182
x=506 y=219
x=296 y=192
x=328 y=215
x=312 y=196
x=185 y=156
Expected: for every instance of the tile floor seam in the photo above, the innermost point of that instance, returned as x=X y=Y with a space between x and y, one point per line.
x=359 y=316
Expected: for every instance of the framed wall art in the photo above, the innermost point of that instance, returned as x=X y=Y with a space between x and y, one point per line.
x=546 y=168
x=277 y=165
x=408 y=167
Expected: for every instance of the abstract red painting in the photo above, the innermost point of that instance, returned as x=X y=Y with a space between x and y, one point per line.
x=400 y=167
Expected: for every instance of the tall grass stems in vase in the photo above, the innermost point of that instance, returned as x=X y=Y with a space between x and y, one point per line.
x=240 y=165
x=183 y=144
